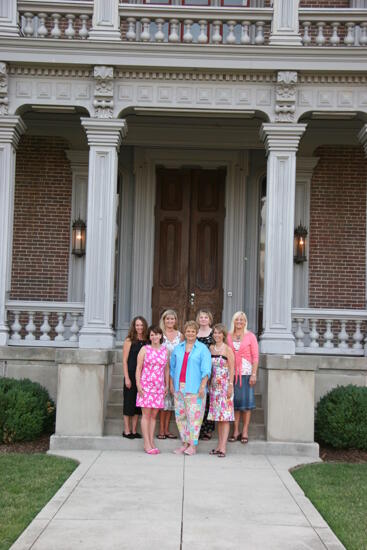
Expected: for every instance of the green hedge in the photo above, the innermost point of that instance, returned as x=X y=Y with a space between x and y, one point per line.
x=26 y=410
x=341 y=418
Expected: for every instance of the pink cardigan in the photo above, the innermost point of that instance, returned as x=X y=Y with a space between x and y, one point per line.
x=249 y=350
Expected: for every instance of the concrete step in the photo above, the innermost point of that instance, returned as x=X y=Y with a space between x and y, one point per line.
x=253 y=447
x=117 y=382
x=114 y=426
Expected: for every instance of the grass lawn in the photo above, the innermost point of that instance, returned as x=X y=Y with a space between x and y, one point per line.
x=27 y=482
x=339 y=492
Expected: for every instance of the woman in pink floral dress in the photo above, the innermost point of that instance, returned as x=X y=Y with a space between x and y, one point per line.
x=221 y=388
x=152 y=379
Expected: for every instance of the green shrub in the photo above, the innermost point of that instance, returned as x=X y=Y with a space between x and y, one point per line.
x=26 y=410
x=341 y=418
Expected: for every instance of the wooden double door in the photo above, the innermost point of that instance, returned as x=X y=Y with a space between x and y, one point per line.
x=188 y=257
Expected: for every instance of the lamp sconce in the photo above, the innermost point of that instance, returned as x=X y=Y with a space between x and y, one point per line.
x=300 y=236
x=78 y=237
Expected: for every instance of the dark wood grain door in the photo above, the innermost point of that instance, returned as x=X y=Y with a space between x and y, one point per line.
x=188 y=258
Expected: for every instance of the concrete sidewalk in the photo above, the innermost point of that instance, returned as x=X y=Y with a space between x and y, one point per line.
x=129 y=500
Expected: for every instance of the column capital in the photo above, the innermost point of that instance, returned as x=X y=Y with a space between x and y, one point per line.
x=282 y=137
x=105 y=132
x=11 y=129
x=362 y=136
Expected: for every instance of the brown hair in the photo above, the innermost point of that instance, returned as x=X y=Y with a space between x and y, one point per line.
x=208 y=313
x=157 y=330
x=132 y=334
x=221 y=328
x=191 y=324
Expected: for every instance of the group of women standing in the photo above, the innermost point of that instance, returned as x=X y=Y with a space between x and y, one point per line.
x=205 y=375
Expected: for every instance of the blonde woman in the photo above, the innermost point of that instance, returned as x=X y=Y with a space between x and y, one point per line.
x=246 y=353
x=171 y=337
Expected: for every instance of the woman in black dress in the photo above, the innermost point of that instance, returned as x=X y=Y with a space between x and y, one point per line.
x=136 y=339
x=204 y=318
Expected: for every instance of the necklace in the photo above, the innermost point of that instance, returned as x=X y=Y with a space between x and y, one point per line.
x=238 y=337
x=218 y=350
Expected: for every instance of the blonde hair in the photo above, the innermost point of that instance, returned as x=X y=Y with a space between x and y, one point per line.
x=164 y=315
x=238 y=314
x=208 y=313
x=191 y=324
x=221 y=328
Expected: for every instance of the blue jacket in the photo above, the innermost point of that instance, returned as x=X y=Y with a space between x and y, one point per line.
x=199 y=365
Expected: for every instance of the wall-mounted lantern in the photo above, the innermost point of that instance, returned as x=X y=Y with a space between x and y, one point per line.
x=300 y=236
x=78 y=237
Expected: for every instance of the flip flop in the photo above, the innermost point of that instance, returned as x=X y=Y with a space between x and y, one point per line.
x=220 y=454
x=161 y=436
x=214 y=452
x=170 y=436
x=233 y=438
x=244 y=440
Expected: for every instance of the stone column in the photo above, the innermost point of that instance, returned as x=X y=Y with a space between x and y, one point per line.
x=281 y=142
x=106 y=20
x=104 y=138
x=11 y=128
x=8 y=18
x=285 y=26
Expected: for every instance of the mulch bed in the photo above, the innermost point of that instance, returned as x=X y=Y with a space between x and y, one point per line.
x=40 y=445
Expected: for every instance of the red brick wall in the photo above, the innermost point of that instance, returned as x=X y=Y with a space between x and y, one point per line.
x=42 y=213
x=337 y=242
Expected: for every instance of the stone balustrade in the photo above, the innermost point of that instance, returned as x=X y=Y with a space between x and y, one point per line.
x=54 y=324
x=69 y=20
x=333 y=27
x=330 y=331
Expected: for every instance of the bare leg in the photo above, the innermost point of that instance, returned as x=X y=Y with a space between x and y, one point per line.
x=152 y=423
x=127 y=429
x=225 y=433
x=220 y=436
x=167 y=421
x=246 y=415
x=145 y=424
x=135 y=419
x=162 y=422
x=236 y=429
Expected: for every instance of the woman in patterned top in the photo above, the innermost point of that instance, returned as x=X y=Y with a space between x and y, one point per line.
x=204 y=318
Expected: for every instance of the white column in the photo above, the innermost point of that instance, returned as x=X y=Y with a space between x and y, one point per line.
x=11 y=128
x=104 y=138
x=106 y=20
x=281 y=142
x=285 y=26
x=8 y=18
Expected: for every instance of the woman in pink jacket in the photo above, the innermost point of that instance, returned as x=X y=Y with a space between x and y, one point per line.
x=246 y=352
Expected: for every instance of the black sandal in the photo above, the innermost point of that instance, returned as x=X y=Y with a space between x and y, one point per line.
x=220 y=454
x=214 y=452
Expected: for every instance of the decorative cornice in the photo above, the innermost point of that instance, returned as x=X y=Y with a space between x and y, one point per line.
x=196 y=76
x=68 y=72
x=332 y=78
x=4 y=101
x=285 y=106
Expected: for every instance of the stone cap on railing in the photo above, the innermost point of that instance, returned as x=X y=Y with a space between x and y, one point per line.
x=337 y=314
x=71 y=6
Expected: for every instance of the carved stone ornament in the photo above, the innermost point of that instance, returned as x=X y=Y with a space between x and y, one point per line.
x=4 y=101
x=285 y=106
x=103 y=91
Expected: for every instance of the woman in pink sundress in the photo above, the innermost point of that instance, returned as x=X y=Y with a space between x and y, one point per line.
x=221 y=388
x=152 y=379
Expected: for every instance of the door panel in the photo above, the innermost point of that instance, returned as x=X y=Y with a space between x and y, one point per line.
x=189 y=242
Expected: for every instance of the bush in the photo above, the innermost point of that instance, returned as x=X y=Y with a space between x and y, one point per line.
x=341 y=418
x=26 y=410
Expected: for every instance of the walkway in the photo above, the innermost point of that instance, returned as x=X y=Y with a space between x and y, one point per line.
x=129 y=500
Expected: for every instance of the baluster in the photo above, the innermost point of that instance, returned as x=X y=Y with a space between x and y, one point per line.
x=306 y=39
x=29 y=25
x=363 y=37
x=56 y=31
x=173 y=35
x=145 y=34
x=245 y=34
x=159 y=35
x=314 y=335
x=216 y=34
x=131 y=31
x=84 y=32
x=45 y=327
x=60 y=329
x=187 y=37
x=349 y=37
x=203 y=36
x=231 y=37
x=16 y=327
x=42 y=30
x=343 y=336
x=70 y=31
x=320 y=38
x=74 y=329
x=259 y=37
x=328 y=335
x=299 y=334
x=334 y=38
x=357 y=336
x=30 y=327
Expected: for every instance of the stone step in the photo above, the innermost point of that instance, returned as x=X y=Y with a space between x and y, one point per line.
x=117 y=369
x=114 y=426
x=253 y=447
x=117 y=382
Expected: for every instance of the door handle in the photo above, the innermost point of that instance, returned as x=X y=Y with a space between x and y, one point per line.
x=192 y=299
